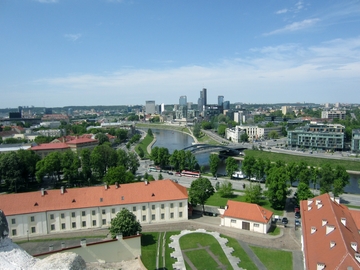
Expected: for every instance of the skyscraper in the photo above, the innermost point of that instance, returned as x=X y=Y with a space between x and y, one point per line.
x=150 y=107
x=203 y=96
x=183 y=101
x=220 y=100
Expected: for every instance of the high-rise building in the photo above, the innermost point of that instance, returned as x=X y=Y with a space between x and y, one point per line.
x=226 y=105
x=183 y=101
x=203 y=96
x=150 y=107
x=220 y=100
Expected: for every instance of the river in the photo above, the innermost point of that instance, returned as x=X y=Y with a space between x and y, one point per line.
x=174 y=140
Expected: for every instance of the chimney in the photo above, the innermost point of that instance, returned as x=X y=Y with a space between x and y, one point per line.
x=226 y=207
x=116 y=184
x=313 y=230
x=42 y=192
x=146 y=182
x=343 y=221
x=106 y=186
x=354 y=246
x=324 y=222
x=62 y=189
x=332 y=244
x=329 y=228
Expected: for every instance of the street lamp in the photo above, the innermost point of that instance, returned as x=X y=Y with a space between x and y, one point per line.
x=27 y=231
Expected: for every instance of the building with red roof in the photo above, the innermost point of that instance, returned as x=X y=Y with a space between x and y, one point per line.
x=50 y=211
x=246 y=216
x=330 y=238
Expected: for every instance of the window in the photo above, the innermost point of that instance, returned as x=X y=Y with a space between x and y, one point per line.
x=13 y=221
x=180 y=214
x=180 y=204
x=256 y=224
x=162 y=206
x=153 y=207
x=73 y=225
x=93 y=212
x=83 y=213
x=104 y=222
x=63 y=226
x=143 y=207
x=33 y=230
x=233 y=221
x=84 y=223
x=73 y=214
x=52 y=227
x=94 y=222
x=144 y=218
x=62 y=215
x=134 y=208
x=113 y=210
x=153 y=217
x=162 y=216
x=171 y=215
x=13 y=232
x=101 y=199
x=171 y=205
x=51 y=216
x=32 y=218
x=103 y=211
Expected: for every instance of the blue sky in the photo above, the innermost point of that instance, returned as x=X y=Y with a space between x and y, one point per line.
x=111 y=52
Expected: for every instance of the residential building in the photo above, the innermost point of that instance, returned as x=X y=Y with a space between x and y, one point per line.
x=286 y=109
x=51 y=211
x=330 y=237
x=318 y=136
x=333 y=114
x=355 y=141
x=246 y=216
x=234 y=134
x=253 y=132
x=150 y=107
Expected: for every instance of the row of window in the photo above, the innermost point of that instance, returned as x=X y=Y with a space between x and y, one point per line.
x=32 y=230
x=234 y=221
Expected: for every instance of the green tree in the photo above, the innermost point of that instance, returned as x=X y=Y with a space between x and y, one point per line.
x=121 y=134
x=197 y=130
x=70 y=164
x=28 y=161
x=206 y=125
x=225 y=189
x=273 y=134
x=103 y=157
x=341 y=179
x=141 y=152
x=214 y=162
x=303 y=192
x=244 y=137
x=248 y=166
x=259 y=169
x=85 y=162
x=231 y=166
x=253 y=193
x=292 y=171
x=160 y=176
x=102 y=138
x=118 y=174
x=10 y=168
x=124 y=223
x=221 y=129
x=150 y=133
x=133 y=163
x=276 y=183
x=326 y=178
x=200 y=190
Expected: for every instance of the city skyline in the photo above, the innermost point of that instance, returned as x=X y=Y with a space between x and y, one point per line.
x=63 y=53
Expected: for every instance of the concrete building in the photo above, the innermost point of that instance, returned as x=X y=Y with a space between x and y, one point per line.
x=246 y=216
x=286 y=109
x=150 y=107
x=234 y=134
x=183 y=101
x=318 y=136
x=51 y=211
x=355 y=141
x=333 y=114
x=220 y=100
x=253 y=132
x=330 y=237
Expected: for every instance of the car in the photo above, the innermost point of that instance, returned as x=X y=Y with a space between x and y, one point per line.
x=170 y=173
x=297 y=222
x=285 y=220
x=297 y=215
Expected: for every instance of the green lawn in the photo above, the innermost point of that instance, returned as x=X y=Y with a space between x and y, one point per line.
x=149 y=249
x=201 y=258
x=352 y=165
x=144 y=144
x=217 y=200
x=274 y=259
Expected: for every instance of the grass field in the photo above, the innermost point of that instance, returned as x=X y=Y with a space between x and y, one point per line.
x=352 y=165
x=274 y=259
x=217 y=200
x=144 y=144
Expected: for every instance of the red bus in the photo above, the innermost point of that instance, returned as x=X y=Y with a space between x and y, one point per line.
x=190 y=174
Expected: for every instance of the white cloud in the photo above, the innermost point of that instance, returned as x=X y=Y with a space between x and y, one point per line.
x=295 y=26
x=281 y=11
x=72 y=37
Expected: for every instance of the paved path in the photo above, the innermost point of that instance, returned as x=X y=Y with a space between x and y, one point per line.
x=252 y=255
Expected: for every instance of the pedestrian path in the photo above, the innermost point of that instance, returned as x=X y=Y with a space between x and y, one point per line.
x=252 y=255
x=177 y=254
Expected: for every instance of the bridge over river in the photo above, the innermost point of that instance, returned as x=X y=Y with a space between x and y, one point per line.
x=232 y=150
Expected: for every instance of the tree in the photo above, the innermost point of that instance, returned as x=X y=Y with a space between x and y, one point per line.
x=259 y=169
x=244 y=137
x=197 y=130
x=214 y=162
x=133 y=163
x=276 y=182
x=225 y=189
x=253 y=193
x=10 y=168
x=248 y=166
x=273 y=134
x=103 y=157
x=292 y=171
x=326 y=178
x=28 y=161
x=121 y=134
x=86 y=172
x=341 y=180
x=70 y=164
x=124 y=223
x=141 y=152
x=160 y=176
x=303 y=192
x=221 y=129
x=200 y=190
x=231 y=166
x=118 y=174
x=102 y=138
x=150 y=133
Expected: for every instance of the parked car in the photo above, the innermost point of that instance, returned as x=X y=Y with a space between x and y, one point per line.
x=285 y=220
x=297 y=215
x=297 y=222
x=170 y=173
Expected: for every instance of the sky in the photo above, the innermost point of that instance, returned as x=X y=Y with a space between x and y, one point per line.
x=57 y=53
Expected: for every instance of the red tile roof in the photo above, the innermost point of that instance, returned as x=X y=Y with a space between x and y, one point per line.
x=356 y=216
x=82 y=140
x=74 y=198
x=50 y=146
x=327 y=240
x=247 y=211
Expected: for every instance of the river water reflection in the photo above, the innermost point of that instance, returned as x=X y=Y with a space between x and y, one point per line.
x=174 y=140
